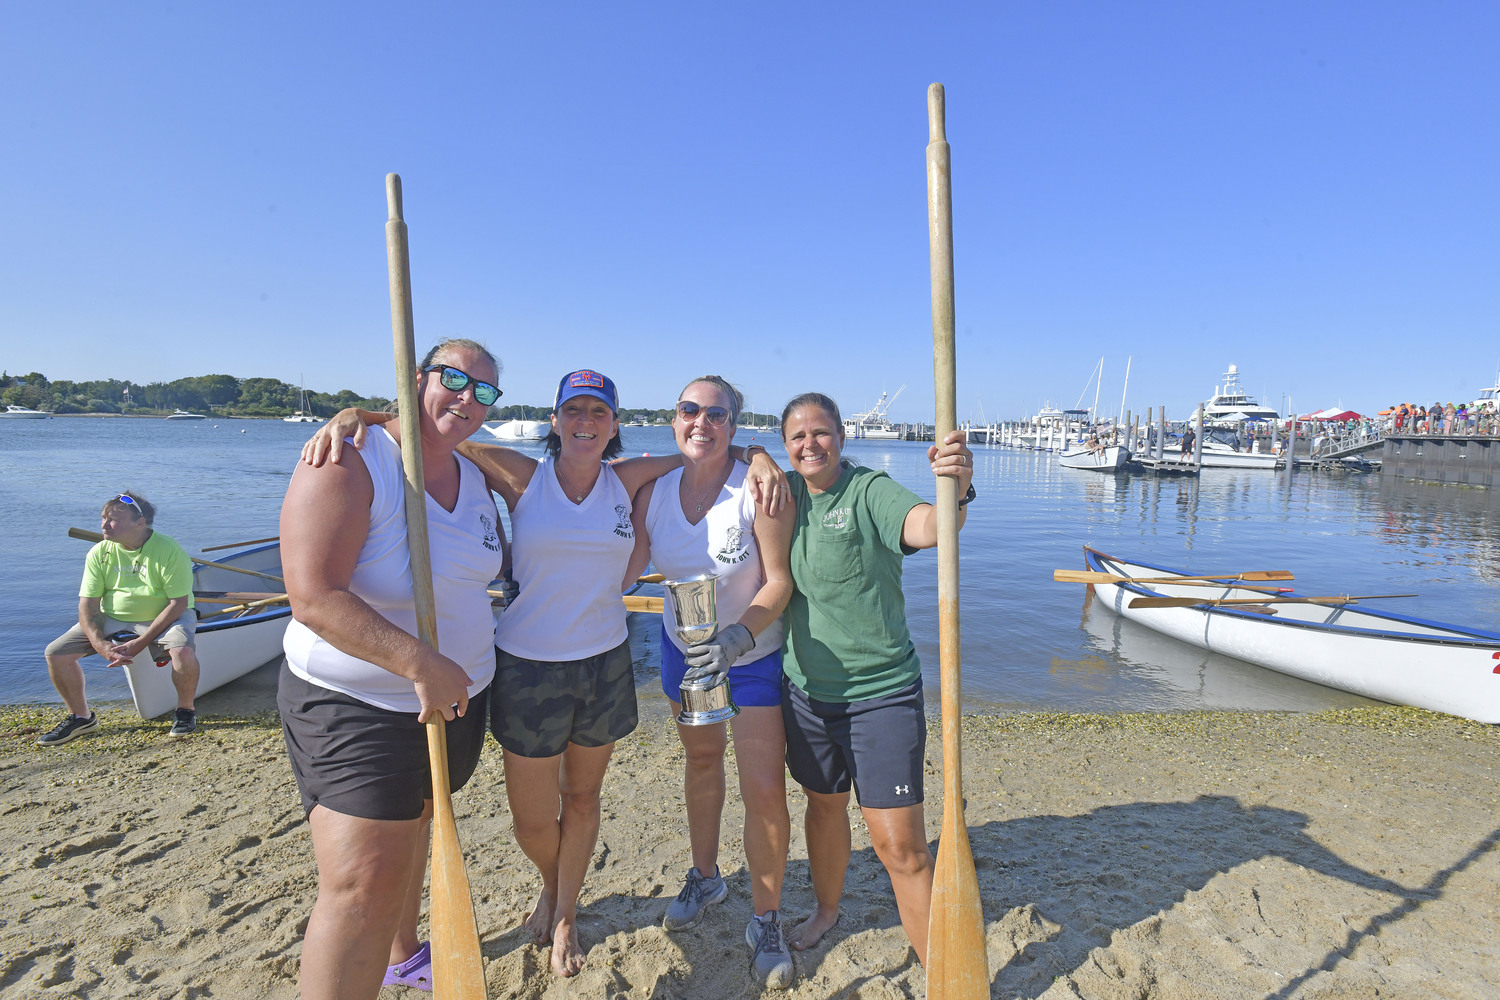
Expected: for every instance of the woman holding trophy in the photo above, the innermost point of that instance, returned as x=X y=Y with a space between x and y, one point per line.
x=701 y=522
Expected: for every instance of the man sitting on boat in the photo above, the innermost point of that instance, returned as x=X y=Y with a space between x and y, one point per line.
x=135 y=581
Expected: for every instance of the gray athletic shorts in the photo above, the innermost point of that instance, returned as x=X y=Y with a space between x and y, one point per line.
x=181 y=633
x=539 y=707
x=878 y=746
x=359 y=760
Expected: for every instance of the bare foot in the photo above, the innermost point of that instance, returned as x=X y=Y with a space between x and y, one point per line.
x=808 y=933
x=567 y=956
x=539 y=923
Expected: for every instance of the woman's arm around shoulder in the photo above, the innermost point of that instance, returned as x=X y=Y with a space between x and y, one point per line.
x=952 y=459
x=640 y=556
x=773 y=537
x=327 y=442
x=506 y=471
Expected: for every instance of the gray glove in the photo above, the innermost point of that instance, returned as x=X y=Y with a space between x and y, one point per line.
x=509 y=590
x=711 y=660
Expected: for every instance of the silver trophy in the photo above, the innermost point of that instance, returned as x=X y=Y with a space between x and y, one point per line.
x=697 y=621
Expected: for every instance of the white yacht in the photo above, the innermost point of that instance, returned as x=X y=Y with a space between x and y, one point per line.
x=304 y=415
x=185 y=415
x=520 y=430
x=1490 y=396
x=22 y=413
x=1230 y=399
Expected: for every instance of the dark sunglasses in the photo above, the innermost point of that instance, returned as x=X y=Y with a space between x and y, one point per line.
x=717 y=415
x=455 y=380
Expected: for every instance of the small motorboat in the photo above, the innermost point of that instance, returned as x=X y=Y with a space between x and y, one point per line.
x=185 y=415
x=237 y=630
x=1382 y=655
x=22 y=413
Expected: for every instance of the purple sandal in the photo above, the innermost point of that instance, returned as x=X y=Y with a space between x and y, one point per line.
x=415 y=972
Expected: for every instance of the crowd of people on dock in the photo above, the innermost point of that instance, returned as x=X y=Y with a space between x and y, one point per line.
x=1449 y=419
x=811 y=635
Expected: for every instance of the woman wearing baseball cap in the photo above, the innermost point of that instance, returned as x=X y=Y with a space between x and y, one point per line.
x=564 y=688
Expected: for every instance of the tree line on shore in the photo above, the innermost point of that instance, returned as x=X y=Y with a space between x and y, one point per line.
x=222 y=394
x=230 y=396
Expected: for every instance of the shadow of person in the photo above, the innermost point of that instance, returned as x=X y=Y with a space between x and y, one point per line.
x=1061 y=886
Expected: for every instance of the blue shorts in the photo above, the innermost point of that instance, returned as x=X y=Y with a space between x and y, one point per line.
x=752 y=683
x=877 y=746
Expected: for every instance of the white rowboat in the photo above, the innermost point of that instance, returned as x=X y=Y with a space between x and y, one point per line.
x=228 y=646
x=1111 y=458
x=1377 y=654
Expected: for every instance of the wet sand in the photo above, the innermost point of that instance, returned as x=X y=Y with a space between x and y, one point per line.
x=1236 y=855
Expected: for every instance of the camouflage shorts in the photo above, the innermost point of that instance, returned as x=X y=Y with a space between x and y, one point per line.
x=537 y=708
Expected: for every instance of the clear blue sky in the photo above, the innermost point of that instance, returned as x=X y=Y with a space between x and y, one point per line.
x=661 y=190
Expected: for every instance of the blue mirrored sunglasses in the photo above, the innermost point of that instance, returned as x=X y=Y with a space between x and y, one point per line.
x=454 y=379
x=689 y=411
x=127 y=498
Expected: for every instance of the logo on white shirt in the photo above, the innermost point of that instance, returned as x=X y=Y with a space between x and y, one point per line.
x=736 y=546
x=623 y=527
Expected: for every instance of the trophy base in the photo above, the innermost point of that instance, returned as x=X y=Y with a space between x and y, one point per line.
x=706 y=706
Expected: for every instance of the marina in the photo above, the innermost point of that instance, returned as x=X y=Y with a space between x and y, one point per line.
x=1047 y=651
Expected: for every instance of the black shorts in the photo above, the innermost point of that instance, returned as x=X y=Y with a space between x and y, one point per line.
x=878 y=746
x=359 y=760
x=541 y=706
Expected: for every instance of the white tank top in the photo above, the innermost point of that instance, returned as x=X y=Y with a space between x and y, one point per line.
x=722 y=544
x=466 y=557
x=569 y=560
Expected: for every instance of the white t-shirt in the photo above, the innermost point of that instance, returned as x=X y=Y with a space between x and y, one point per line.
x=569 y=560
x=466 y=557
x=722 y=544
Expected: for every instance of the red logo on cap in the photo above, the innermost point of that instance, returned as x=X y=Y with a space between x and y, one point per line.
x=586 y=379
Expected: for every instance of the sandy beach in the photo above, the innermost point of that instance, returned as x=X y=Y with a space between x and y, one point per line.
x=1235 y=855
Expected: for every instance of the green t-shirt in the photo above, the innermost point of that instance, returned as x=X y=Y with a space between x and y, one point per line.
x=135 y=584
x=846 y=635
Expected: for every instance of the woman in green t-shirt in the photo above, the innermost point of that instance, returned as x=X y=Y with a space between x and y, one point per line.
x=852 y=691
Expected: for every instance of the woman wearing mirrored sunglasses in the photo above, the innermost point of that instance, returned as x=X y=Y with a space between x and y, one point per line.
x=357 y=684
x=702 y=519
x=564 y=687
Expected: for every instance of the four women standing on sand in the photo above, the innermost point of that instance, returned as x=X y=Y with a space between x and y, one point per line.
x=563 y=695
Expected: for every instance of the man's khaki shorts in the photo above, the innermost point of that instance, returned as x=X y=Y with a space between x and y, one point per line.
x=179 y=634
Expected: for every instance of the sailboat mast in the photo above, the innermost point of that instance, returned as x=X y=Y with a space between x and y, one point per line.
x=1097 y=384
x=1124 y=390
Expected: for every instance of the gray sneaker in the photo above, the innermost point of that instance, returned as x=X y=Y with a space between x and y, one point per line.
x=769 y=958
x=697 y=893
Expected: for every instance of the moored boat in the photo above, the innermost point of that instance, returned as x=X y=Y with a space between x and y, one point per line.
x=1230 y=404
x=520 y=430
x=185 y=415
x=1382 y=655
x=230 y=642
x=22 y=413
x=1110 y=458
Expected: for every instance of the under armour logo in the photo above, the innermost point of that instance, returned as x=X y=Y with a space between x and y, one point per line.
x=903 y=789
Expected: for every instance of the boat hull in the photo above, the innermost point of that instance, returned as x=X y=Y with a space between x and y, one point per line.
x=1215 y=459
x=1113 y=458
x=227 y=650
x=1380 y=655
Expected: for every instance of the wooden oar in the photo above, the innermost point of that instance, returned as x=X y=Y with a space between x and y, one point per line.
x=1193 y=602
x=240 y=609
x=640 y=602
x=457 y=963
x=245 y=598
x=94 y=536
x=1093 y=576
x=957 y=968
x=1216 y=584
x=241 y=545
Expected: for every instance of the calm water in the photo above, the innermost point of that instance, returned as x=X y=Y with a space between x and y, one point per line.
x=1027 y=642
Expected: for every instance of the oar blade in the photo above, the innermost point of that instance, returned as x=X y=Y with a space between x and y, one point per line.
x=957 y=966
x=1084 y=576
x=457 y=962
x=1269 y=574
